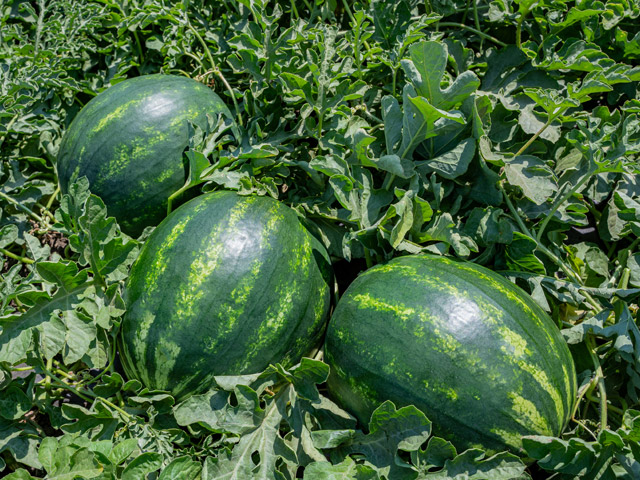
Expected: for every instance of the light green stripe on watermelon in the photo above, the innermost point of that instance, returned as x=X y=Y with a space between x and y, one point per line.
x=498 y=284
x=120 y=112
x=150 y=279
x=516 y=349
x=206 y=259
x=124 y=155
x=516 y=346
x=139 y=342
x=527 y=414
x=366 y=301
x=506 y=436
x=166 y=353
x=542 y=378
x=447 y=391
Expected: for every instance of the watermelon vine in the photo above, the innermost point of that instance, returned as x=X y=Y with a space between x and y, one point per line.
x=497 y=135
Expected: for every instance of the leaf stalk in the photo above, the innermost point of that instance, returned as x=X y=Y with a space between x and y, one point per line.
x=24 y=208
x=480 y=33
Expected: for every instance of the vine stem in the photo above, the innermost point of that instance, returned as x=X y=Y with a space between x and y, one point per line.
x=582 y=424
x=39 y=26
x=26 y=210
x=215 y=69
x=86 y=395
x=197 y=60
x=550 y=120
x=66 y=375
x=634 y=244
x=388 y=180
x=7 y=253
x=320 y=122
x=9 y=125
x=519 y=31
x=108 y=367
x=474 y=30
x=539 y=246
x=306 y=2
x=559 y=202
x=514 y=212
x=139 y=46
x=47 y=380
x=319 y=355
x=368 y=114
x=180 y=71
x=233 y=97
x=294 y=10
x=599 y=380
x=228 y=9
x=115 y=407
x=21 y=369
x=395 y=71
x=367 y=257
x=613 y=408
x=52 y=198
x=476 y=20
x=393 y=81
x=624 y=280
x=464 y=10
x=45 y=212
x=353 y=19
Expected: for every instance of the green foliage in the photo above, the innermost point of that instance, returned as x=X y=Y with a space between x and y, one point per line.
x=505 y=133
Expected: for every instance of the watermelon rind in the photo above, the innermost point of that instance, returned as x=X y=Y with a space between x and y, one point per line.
x=129 y=142
x=473 y=351
x=225 y=285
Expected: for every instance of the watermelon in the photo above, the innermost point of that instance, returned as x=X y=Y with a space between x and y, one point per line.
x=474 y=352
x=129 y=142
x=225 y=285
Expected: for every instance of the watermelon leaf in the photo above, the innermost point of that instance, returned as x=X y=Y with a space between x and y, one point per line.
x=142 y=465
x=473 y=465
x=391 y=430
x=257 y=426
x=181 y=468
x=212 y=409
x=345 y=470
x=426 y=69
x=453 y=163
x=520 y=255
x=17 y=330
x=20 y=441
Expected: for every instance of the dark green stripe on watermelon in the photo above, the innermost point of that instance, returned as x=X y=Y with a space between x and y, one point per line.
x=470 y=349
x=128 y=141
x=225 y=285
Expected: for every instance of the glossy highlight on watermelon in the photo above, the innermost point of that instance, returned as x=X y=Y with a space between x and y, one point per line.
x=225 y=285
x=128 y=141
x=477 y=355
